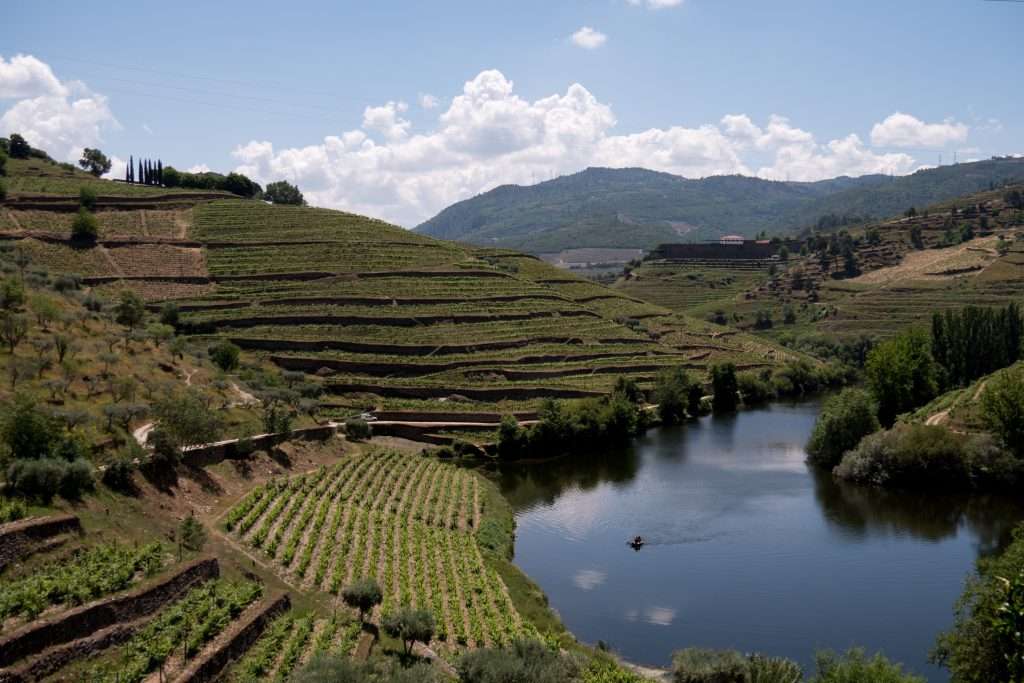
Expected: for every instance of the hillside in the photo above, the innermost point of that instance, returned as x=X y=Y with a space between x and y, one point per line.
x=637 y=208
x=972 y=256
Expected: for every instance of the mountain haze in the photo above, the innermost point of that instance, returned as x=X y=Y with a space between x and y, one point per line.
x=635 y=207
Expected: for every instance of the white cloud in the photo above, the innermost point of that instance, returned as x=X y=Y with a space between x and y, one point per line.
x=655 y=4
x=146 y=128
x=904 y=130
x=588 y=38
x=25 y=76
x=589 y=579
x=428 y=101
x=489 y=136
x=198 y=168
x=58 y=117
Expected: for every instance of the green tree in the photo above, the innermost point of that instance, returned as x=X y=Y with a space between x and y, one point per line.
x=410 y=626
x=671 y=391
x=130 y=310
x=845 y=419
x=1002 y=403
x=27 y=432
x=13 y=328
x=358 y=429
x=523 y=661
x=724 y=388
x=170 y=314
x=902 y=374
x=363 y=595
x=85 y=227
x=184 y=420
x=192 y=534
x=225 y=355
x=283 y=192
x=857 y=667
x=12 y=295
x=3 y=163
x=159 y=333
x=18 y=147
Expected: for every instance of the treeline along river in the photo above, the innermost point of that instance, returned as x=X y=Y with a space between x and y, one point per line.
x=747 y=546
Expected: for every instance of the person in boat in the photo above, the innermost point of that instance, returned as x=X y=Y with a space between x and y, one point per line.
x=637 y=542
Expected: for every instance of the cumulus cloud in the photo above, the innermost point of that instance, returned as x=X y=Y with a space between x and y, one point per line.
x=904 y=130
x=59 y=117
x=655 y=4
x=428 y=101
x=588 y=38
x=488 y=136
x=198 y=168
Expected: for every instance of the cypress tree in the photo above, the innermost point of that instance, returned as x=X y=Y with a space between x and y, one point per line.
x=141 y=178
x=148 y=179
x=159 y=172
x=128 y=171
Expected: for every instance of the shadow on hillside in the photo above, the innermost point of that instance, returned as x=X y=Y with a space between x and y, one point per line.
x=200 y=476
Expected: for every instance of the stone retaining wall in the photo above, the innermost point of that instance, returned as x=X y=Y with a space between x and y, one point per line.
x=18 y=539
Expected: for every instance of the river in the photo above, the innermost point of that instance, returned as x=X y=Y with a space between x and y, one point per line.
x=747 y=547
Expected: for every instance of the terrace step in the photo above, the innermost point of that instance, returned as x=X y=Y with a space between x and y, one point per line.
x=417 y=350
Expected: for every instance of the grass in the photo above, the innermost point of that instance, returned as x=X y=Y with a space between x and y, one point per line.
x=38 y=176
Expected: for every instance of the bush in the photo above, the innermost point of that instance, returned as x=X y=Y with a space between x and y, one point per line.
x=698 y=665
x=975 y=650
x=225 y=355
x=329 y=668
x=902 y=374
x=845 y=419
x=12 y=510
x=3 y=191
x=774 y=670
x=118 y=474
x=192 y=534
x=85 y=227
x=27 y=432
x=169 y=314
x=724 y=388
x=358 y=429
x=76 y=479
x=671 y=391
x=1002 y=404
x=909 y=456
x=856 y=667
x=754 y=389
x=524 y=661
x=87 y=198
x=43 y=478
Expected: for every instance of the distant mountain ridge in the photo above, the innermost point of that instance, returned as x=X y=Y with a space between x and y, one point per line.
x=639 y=208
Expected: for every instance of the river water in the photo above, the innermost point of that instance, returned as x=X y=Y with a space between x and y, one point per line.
x=747 y=547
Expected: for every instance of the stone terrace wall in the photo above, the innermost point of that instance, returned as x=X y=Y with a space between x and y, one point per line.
x=17 y=539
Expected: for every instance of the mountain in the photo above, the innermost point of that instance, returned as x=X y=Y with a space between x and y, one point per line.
x=638 y=208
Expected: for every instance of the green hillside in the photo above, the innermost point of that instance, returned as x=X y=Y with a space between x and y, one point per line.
x=637 y=208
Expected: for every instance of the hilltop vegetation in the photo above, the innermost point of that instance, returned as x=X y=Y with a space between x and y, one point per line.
x=602 y=207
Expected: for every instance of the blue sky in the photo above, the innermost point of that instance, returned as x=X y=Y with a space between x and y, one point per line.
x=331 y=94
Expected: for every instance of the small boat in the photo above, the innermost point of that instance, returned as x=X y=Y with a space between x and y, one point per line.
x=637 y=543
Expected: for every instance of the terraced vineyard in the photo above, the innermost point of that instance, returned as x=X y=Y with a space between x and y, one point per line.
x=410 y=523
x=292 y=641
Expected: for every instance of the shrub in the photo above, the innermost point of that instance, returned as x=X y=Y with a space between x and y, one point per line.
x=85 y=227
x=976 y=650
x=524 y=661
x=724 y=388
x=1002 y=404
x=845 y=419
x=671 y=389
x=909 y=456
x=87 y=198
x=363 y=595
x=118 y=473
x=358 y=429
x=856 y=667
x=225 y=355
x=12 y=294
x=40 y=479
x=3 y=191
x=774 y=670
x=170 y=314
x=192 y=534
x=698 y=665
x=76 y=479
x=753 y=388
x=12 y=510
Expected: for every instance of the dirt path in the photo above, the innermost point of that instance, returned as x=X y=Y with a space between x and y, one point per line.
x=116 y=269
x=14 y=221
x=981 y=388
x=938 y=418
x=244 y=397
x=142 y=220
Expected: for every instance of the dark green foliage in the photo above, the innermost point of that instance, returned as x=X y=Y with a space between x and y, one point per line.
x=1002 y=403
x=671 y=393
x=929 y=457
x=18 y=148
x=43 y=478
x=902 y=374
x=169 y=314
x=283 y=192
x=916 y=237
x=571 y=426
x=3 y=191
x=118 y=473
x=857 y=667
x=363 y=595
x=87 y=198
x=27 y=432
x=774 y=670
x=12 y=294
x=130 y=311
x=724 y=388
x=358 y=429
x=1014 y=199
x=277 y=416
x=185 y=420
x=225 y=355
x=845 y=419
x=235 y=183
x=524 y=661
x=974 y=341
x=325 y=668
x=698 y=665
x=94 y=161
x=410 y=626
x=13 y=328
x=191 y=534
x=85 y=227
x=754 y=389
x=978 y=649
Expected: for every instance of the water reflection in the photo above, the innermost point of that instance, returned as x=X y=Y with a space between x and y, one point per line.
x=746 y=546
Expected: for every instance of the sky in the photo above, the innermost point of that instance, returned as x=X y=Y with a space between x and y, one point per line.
x=399 y=109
